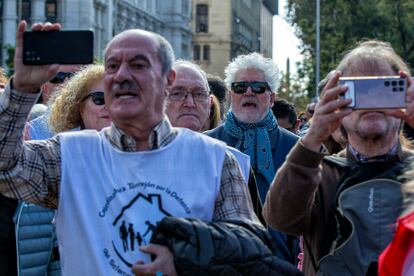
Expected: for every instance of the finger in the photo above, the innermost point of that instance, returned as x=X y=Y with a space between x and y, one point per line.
x=151 y=248
x=36 y=27
x=410 y=85
x=333 y=93
x=332 y=82
x=19 y=37
x=404 y=74
x=52 y=27
x=47 y=27
x=332 y=106
x=139 y=262
x=143 y=269
x=398 y=113
x=327 y=120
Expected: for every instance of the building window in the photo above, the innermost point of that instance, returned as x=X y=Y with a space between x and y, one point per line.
x=184 y=7
x=206 y=52
x=196 y=53
x=25 y=10
x=149 y=5
x=51 y=10
x=202 y=18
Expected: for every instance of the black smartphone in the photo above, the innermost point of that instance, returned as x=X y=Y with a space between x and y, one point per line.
x=62 y=47
x=381 y=92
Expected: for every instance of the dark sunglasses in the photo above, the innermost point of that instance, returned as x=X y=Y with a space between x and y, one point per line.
x=97 y=97
x=61 y=77
x=258 y=87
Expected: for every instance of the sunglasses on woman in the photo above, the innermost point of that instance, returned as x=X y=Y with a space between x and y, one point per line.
x=258 y=87
x=97 y=97
x=61 y=77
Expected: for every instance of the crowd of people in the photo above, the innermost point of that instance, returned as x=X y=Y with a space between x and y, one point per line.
x=147 y=165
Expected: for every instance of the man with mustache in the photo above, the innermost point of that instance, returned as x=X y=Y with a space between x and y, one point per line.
x=128 y=173
x=251 y=127
x=345 y=207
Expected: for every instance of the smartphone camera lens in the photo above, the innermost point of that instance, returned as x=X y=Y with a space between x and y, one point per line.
x=401 y=89
x=394 y=89
x=387 y=83
x=394 y=83
x=401 y=83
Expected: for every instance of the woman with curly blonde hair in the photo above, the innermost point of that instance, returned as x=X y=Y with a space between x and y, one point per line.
x=80 y=103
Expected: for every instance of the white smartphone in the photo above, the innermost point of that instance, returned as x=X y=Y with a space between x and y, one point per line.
x=384 y=92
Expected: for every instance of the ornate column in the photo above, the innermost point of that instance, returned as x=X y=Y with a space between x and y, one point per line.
x=9 y=26
x=38 y=11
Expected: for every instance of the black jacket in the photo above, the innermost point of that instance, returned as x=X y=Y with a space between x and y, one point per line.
x=220 y=248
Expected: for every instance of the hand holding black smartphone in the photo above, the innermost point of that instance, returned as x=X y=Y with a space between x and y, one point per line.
x=61 y=47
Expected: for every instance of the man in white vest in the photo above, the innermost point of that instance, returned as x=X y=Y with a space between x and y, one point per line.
x=111 y=188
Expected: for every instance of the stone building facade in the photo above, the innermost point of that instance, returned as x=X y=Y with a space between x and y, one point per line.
x=105 y=17
x=226 y=29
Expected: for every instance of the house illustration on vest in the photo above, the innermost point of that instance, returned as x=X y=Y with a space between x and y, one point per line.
x=135 y=225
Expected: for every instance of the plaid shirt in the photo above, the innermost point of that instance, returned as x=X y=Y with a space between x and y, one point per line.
x=31 y=170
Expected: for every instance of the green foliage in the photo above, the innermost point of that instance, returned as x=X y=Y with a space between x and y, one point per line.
x=9 y=59
x=293 y=88
x=346 y=22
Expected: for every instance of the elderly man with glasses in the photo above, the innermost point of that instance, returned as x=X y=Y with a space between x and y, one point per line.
x=189 y=101
x=251 y=127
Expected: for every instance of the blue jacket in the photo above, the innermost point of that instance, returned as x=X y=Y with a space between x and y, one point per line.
x=281 y=142
x=287 y=247
x=36 y=243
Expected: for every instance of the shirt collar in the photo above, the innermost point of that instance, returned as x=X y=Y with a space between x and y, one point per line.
x=393 y=152
x=162 y=135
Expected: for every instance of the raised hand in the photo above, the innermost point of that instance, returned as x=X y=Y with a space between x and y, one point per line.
x=408 y=114
x=29 y=78
x=328 y=115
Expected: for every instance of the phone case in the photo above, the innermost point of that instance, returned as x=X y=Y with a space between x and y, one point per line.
x=383 y=92
x=62 y=47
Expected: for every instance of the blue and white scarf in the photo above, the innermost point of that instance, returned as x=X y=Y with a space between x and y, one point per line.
x=253 y=140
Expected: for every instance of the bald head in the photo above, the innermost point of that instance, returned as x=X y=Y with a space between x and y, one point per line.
x=163 y=48
x=183 y=66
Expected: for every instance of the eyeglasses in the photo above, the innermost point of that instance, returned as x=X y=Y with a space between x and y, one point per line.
x=61 y=77
x=258 y=87
x=311 y=111
x=181 y=95
x=97 y=97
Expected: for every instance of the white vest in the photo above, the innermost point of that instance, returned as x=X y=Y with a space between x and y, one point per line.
x=110 y=201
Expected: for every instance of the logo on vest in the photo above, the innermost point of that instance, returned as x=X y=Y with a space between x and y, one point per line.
x=371 y=200
x=135 y=222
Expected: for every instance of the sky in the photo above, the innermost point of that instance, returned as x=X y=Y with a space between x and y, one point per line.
x=285 y=42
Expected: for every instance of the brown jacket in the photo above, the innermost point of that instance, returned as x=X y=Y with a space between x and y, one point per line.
x=301 y=200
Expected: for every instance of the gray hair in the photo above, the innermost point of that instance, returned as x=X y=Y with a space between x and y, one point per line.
x=369 y=53
x=165 y=53
x=182 y=62
x=253 y=61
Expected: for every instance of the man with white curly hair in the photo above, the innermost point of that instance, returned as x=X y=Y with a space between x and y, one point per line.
x=251 y=127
